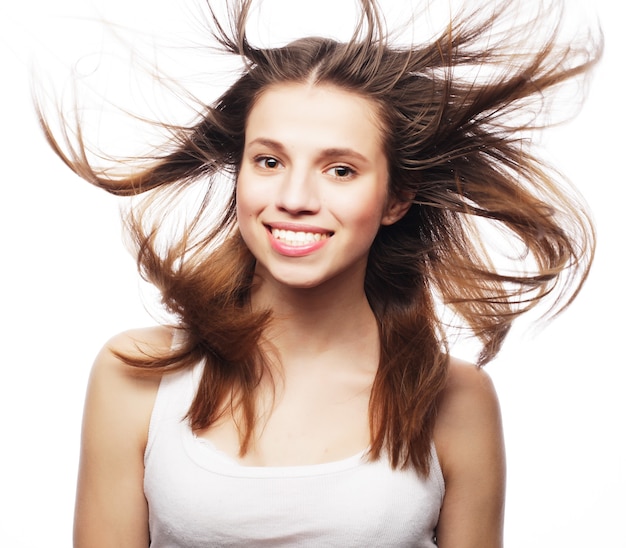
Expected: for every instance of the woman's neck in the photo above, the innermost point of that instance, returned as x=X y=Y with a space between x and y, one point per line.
x=315 y=321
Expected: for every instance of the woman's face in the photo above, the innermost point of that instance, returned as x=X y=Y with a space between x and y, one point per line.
x=312 y=188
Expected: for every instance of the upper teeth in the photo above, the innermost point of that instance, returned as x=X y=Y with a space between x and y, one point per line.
x=297 y=237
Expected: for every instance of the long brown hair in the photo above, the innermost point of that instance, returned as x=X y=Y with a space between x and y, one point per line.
x=455 y=115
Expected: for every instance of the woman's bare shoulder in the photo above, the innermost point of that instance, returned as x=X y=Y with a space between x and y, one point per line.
x=155 y=339
x=468 y=389
x=117 y=412
x=132 y=389
x=470 y=446
x=468 y=411
x=133 y=343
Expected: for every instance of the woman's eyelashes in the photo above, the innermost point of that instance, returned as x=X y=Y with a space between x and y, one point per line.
x=341 y=172
x=267 y=162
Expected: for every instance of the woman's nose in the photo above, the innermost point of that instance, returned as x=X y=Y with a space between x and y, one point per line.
x=298 y=193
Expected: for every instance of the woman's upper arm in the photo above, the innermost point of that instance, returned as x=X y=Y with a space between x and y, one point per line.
x=469 y=441
x=111 y=509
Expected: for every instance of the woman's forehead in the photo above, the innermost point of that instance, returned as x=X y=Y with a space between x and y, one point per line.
x=334 y=113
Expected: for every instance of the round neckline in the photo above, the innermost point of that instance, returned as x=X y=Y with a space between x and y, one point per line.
x=205 y=454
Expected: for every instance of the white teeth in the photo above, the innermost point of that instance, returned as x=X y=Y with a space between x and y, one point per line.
x=297 y=238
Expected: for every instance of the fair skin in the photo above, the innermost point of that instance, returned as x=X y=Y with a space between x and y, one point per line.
x=312 y=192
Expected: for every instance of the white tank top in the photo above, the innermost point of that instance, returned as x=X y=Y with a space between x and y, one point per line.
x=201 y=497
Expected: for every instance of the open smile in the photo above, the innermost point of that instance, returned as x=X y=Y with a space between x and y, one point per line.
x=297 y=241
x=296 y=238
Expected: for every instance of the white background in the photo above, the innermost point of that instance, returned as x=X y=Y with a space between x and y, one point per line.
x=68 y=284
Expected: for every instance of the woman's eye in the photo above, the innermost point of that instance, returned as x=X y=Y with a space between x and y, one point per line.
x=341 y=172
x=267 y=162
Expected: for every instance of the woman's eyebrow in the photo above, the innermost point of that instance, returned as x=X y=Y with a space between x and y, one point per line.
x=270 y=143
x=343 y=152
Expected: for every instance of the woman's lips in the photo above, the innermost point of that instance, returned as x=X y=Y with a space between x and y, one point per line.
x=297 y=241
x=297 y=238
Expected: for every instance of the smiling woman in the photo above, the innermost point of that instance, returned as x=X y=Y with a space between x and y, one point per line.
x=314 y=178
x=304 y=393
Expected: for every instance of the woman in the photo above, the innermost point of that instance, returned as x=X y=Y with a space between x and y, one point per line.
x=305 y=394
